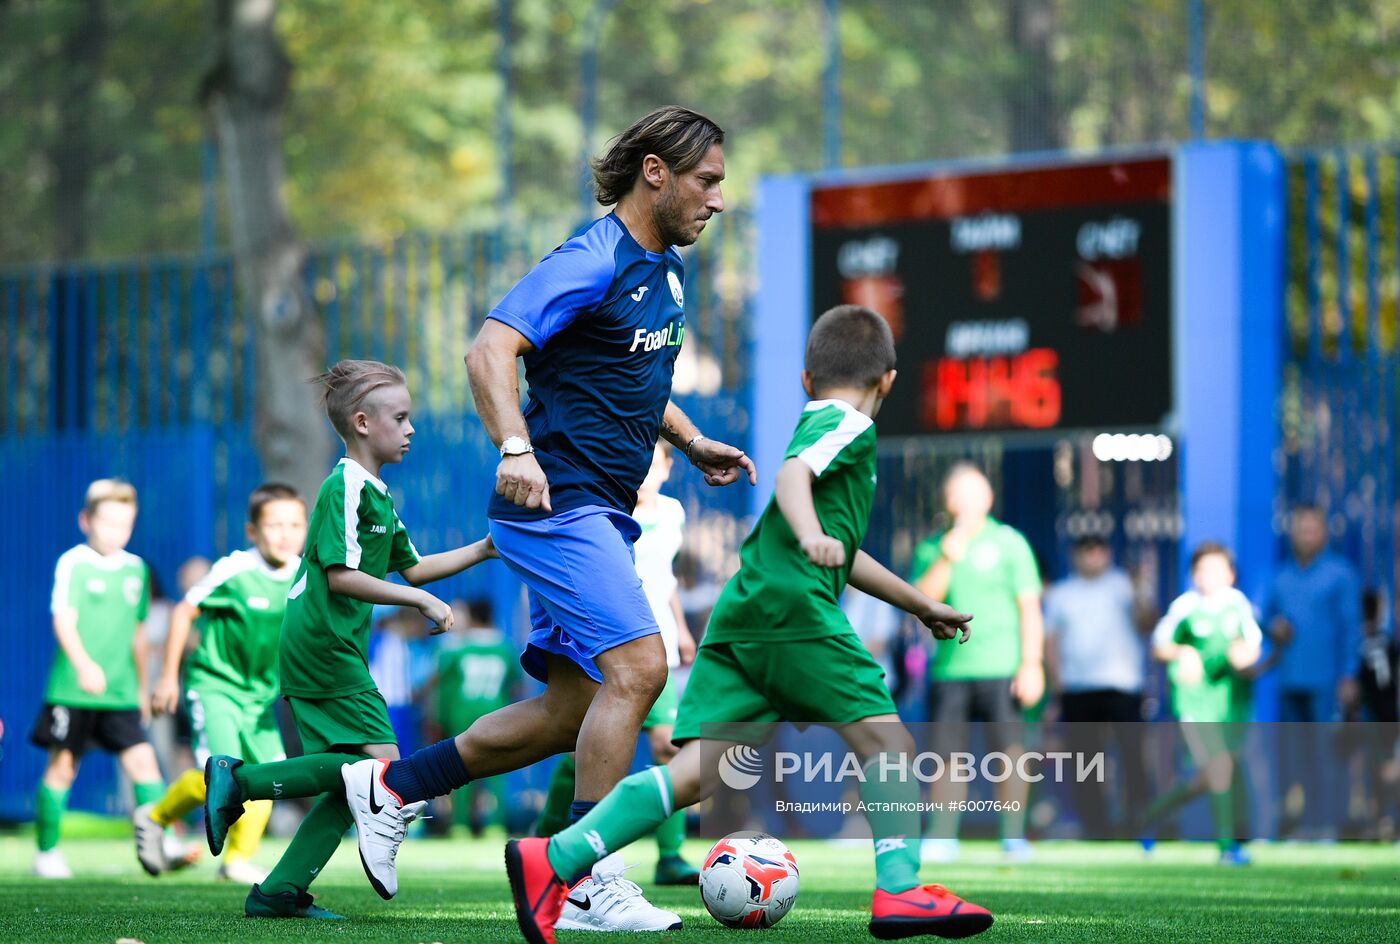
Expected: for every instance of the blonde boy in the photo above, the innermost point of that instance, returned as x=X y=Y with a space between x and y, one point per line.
x=97 y=685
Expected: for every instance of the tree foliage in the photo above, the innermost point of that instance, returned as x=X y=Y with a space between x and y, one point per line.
x=392 y=121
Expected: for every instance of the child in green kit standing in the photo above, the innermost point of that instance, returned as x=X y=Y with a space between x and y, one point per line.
x=782 y=610
x=96 y=690
x=1210 y=640
x=354 y=540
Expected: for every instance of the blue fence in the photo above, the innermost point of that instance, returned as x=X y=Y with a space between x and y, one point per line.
x=147 y=371
x=1337 y=445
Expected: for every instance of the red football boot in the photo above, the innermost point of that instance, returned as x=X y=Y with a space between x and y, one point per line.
x=538 y=893
x=927 y=909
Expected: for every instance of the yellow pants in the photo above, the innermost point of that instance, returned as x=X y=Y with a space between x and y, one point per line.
x=187 y=792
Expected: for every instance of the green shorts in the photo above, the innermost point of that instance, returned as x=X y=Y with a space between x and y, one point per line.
x=240 y=725
x=346 y=721
x=832 y=680
x=663 y=712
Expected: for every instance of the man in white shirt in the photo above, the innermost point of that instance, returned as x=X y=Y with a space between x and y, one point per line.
x=1094 y=625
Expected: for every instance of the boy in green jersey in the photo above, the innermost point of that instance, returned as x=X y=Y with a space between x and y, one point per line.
x=778 y=648
x=97 y=685
x=231 y=677
x=1210 y=642
x=354 y=540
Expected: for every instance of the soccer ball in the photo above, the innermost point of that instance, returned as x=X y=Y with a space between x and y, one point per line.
x=749 y=880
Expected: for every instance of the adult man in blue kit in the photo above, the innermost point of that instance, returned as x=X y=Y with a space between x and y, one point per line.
x=598 y=323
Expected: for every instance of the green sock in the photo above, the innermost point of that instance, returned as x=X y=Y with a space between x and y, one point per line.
x=312 y=847
x=1013 y=822
x=148 y=792
x=891 y=797
x=306 y=776
x=635 y=807
x=555 y=815
x=1222 y=810
x=670 y=834
x=1239 y=796
x=48 y=811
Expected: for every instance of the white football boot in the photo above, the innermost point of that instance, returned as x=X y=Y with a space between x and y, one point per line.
x=150 y=840
x=381 y=821
x=51 y=864
x=605 y=901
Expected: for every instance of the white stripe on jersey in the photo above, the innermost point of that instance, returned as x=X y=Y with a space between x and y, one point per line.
x=354 y=483
x=820 y=454
x=82 y=554
x=230 y=566
x=63 y=579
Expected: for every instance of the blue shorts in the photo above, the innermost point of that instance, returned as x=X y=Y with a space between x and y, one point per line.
x=580 y=571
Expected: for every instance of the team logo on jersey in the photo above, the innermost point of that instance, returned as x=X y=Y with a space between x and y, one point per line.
x=131 y=589
x=670 y=336
x=677 y=292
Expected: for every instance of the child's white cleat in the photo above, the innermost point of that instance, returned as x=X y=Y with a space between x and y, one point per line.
x=51 y=864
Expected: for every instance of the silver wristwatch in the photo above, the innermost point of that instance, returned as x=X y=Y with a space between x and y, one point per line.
x=515 y=446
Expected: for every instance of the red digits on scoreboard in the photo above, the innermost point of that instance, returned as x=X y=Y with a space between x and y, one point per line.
x=1019 y=391
x=1038 y=389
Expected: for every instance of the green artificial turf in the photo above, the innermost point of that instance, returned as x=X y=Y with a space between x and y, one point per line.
x=454 y=890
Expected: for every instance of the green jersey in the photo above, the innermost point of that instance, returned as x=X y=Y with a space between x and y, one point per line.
x=241 y=602
x=325 y=636
x=986 y=581
x=109 y=595
x=778 y=594
x=1209 y=625
x=474 y=679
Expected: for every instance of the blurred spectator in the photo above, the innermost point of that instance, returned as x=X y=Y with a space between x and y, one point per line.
x=477 y=673
x=171 y=733
x=1312 y=619
x=697 y=591
x=1378 y=697
x=1378 y=703
x=391 y=667
x=986 y=568
x=1094 y=623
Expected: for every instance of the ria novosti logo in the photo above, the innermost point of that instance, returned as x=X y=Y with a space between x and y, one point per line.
x=740 y=766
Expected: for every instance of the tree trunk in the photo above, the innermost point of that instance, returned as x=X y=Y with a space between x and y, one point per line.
x=1034 y=118
x=244 y=92
x=73 y=152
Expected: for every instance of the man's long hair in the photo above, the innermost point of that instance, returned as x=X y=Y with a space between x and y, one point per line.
x=677 y=135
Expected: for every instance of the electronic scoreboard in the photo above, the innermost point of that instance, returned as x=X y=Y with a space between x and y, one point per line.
x=1020 y=299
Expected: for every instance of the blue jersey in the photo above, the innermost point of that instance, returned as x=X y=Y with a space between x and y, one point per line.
x=606 y=318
